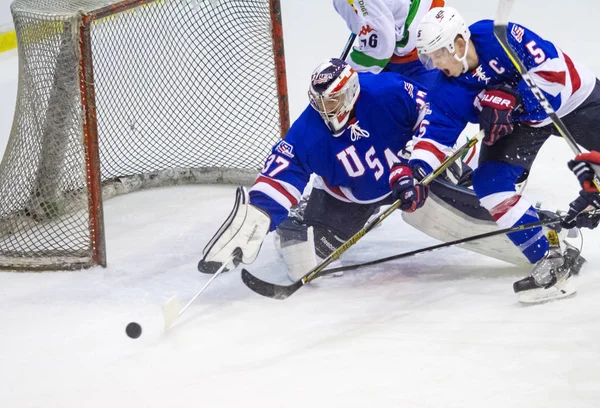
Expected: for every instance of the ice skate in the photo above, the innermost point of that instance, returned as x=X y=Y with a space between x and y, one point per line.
x=551 y=277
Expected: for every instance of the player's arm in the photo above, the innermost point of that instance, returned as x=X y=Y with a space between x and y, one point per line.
x=254 y=214
x=548 y=66
x=281 y=182
x=435 y=137
x=373 y=23
x=436 y=134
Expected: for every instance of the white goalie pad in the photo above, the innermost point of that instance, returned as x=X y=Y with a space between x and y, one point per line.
x=296 y=245
x=441 y=221
x=298 y=252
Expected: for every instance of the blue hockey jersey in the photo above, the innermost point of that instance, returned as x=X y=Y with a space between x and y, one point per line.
x=455 y=101
x=353 y=167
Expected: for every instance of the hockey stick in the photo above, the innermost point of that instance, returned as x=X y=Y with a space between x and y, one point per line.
x=501 y=32
x=348 y=47
x=283 y=291
x=172 y=309
x=443 y=245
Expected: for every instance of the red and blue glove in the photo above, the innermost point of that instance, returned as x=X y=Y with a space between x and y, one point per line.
x=406 y=189
x=495 y=118
x=582 y=167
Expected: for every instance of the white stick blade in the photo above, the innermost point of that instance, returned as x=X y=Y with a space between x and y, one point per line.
x=504 y=8
x=171 y=310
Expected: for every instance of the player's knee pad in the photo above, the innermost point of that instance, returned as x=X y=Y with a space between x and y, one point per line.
x=303 y=246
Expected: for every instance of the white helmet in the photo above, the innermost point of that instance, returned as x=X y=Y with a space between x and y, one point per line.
x=333 y=92
x=437 y=31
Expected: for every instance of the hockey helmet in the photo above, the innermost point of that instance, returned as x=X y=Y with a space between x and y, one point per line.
x=333 y=92
x=436 y=34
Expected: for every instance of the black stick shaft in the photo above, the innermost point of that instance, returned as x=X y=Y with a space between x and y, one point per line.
x=348 y=47
x=441 y=246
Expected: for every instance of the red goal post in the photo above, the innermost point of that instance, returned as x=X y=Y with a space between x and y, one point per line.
x=113 y=98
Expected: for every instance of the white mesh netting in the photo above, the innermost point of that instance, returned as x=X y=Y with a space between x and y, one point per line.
x=185 y=92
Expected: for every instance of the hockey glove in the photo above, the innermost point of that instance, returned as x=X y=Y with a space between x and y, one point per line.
x=582 y=167
x=242 y=233
x=495 y=118
x=406 y=189
x=589 y=220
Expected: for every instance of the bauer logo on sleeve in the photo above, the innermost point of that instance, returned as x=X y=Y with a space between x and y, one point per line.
x=285 y=148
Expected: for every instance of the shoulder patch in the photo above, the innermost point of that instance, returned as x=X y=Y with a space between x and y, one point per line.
x=517 y=32
x=285 y=148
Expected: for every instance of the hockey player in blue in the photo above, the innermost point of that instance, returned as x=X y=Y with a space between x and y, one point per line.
x=479 y=84
x=351 y=137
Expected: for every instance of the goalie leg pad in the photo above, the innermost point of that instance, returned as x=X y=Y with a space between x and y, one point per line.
x=244 y=230
x=327 y=223
x=303 y=247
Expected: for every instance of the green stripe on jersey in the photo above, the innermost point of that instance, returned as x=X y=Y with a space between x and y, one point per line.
x=366 y=61
x=412 y=12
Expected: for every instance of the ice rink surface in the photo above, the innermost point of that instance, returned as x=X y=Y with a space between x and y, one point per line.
x=439 y=330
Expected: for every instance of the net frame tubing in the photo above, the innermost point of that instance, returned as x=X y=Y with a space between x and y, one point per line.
x=90 y=126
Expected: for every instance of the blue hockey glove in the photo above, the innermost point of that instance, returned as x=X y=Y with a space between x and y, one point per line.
x=406 y=189
x=582 y=167
x=574 y=217
x=495 y=118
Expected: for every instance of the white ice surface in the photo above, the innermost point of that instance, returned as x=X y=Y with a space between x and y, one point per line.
x=439 y=330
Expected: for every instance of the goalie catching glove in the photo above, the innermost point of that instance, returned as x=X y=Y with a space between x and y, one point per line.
x=242 y=233
x=406 y=188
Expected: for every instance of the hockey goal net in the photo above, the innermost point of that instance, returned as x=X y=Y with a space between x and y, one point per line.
x=118 y=97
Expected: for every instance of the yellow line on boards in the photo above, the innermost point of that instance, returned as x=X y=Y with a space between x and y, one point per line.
x=8 y=40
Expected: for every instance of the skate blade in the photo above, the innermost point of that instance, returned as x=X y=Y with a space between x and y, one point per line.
x=561 y=290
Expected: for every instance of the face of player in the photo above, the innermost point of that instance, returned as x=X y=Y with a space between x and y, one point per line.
x=449 y=63
x=332 y=110
x=327 y=106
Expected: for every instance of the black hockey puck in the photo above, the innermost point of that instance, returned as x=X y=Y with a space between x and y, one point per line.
x=133 y=330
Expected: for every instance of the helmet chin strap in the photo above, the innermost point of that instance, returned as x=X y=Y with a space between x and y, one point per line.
x=463 y=59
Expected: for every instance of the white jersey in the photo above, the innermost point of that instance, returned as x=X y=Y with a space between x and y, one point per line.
x=385 y=29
